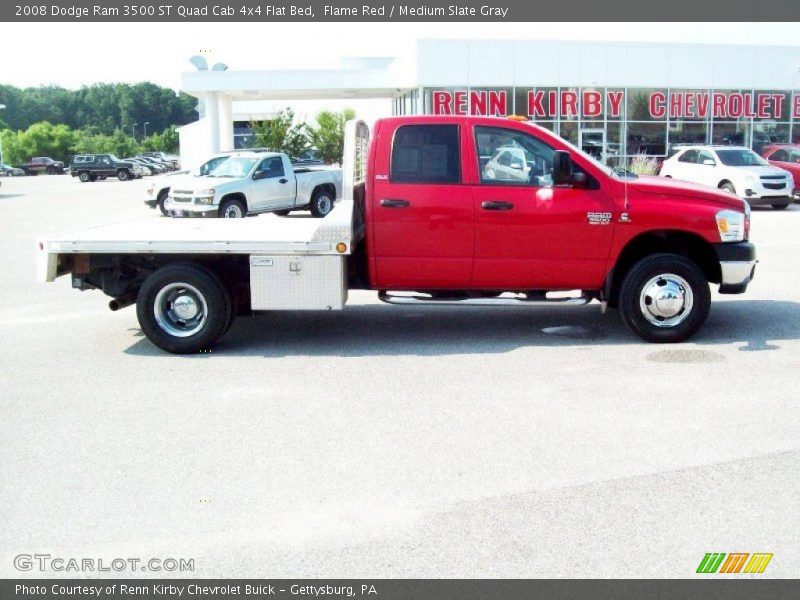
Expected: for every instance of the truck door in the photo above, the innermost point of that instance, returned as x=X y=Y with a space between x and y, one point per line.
x=271 y=188
x=530 y=234
x=422 y=215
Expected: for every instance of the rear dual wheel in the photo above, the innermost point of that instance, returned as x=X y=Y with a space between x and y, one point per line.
x=184 y=308
x=664 y=298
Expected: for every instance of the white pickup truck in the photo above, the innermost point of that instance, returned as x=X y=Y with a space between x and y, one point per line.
x=255 y=182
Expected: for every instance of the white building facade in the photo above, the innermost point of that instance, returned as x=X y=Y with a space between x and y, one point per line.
x=614 y=100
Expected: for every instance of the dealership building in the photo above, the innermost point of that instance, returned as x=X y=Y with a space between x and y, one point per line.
x=614 y=100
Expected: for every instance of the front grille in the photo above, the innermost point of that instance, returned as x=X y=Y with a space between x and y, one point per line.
x=774 y=186
x=773 y=177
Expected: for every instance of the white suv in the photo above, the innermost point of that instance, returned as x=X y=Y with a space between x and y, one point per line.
x=736 y=169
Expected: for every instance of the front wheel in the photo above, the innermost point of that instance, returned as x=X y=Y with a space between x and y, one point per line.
x=183 y=308
x=84 y=177
x=664 y=298
x=162 y=200
x=232 y=209
x=123 y=175
x=728 y=187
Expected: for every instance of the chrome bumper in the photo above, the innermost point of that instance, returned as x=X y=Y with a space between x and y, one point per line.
x=737 y=272
x=737 y=265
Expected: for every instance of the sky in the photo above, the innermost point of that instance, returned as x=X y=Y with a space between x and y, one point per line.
x=158 y=52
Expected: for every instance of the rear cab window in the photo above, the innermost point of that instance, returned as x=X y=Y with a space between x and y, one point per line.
x=427 y=154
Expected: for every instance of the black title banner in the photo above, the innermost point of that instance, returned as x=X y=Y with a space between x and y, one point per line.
x=397 y=589
x=378 y=10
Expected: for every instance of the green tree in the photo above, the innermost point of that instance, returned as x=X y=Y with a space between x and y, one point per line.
x=327 y=135
x=166 y=141
x=281 y=134
x=40 y=139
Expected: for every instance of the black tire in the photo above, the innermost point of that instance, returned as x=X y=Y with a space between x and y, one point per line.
x=155 y=305
x=84 y=176
x=781 y=206
x=123 y=175
x=92 y=177
x=50 y=171
x=162 y=199
x=281 y=213
x=232 y=209
x=647 y=275
x=667 y=176
x=728 y=187
x=321 y=203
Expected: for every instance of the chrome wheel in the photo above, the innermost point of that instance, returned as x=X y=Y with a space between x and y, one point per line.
x=180 y=309
x=232 y=211
x=666 y=300
x=324 y=205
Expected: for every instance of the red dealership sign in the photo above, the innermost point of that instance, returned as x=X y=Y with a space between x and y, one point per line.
x=566 y=104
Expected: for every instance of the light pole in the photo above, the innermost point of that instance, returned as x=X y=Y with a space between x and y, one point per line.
x=146 y=123
x=2 y=106
x=134 y=130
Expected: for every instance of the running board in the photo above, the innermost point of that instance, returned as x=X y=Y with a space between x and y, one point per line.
x=500 y=301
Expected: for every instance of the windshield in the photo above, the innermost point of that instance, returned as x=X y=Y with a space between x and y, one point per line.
x=740 y=158
x=233 y=167
x=795 y=156
x=605 y=169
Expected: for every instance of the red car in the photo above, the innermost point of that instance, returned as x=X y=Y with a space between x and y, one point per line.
x=785 y=156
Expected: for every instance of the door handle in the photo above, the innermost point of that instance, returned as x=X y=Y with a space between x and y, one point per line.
x=389 y=203
x=496 y=205
x=283 y=180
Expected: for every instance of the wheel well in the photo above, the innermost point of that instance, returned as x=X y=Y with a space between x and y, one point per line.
x=235 y=196
x=723 y=182
x=325 y=187
x=685 y=244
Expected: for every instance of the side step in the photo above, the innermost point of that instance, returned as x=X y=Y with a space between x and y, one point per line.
x=385 y=296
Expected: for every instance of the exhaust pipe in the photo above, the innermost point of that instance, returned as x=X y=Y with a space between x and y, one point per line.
x=122 y=301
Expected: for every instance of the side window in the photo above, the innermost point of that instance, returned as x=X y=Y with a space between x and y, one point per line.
x=781 y=155
x=273 y=167
x=426 y=154
x=690 y=156
x=211 y=165
x=704 y=156
x=512 y=157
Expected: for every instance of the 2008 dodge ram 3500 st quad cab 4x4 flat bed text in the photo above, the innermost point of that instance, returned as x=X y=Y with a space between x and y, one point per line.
x=426 y=218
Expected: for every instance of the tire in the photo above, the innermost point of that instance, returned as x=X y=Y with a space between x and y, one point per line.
x=194 y=290
x=84 y=176
x=92 y=177
x=781 y=206
x=728 y=187
x=667 y=176
x=50 y=171
x=321 y=203
x=123 y=175
x=162 y=199
x=672 y=322
x=232 y=209
x=281 y=213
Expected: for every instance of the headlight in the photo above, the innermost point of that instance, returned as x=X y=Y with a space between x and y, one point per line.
x=731 y=225
x=204 y=197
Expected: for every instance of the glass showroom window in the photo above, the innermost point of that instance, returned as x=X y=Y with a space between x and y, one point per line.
x=647 y=104
x=682 y=132
x=615 y=144
x=731 y=134
x=592 y=106
x=766 y=133
x=569 y=131
x=646 y=138
x=491 y=102
x=615 y=104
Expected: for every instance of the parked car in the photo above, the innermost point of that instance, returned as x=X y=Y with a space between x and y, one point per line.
x=735 y=169
x=254 y=182
x=42 y=164
x=158 y=190
x=157 y=166
x=91 y=167
x=146 y=169
x=430 y=232
x=172 y=161
x=787 y=157
x=9 y=171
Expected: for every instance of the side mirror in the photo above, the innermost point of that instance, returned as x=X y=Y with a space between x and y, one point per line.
x=516 y=166
x=709 y=162
x=579 y=180
x=562 y=168
x=259 y=175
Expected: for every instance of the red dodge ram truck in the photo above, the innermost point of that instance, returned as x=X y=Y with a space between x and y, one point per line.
x=435 y=210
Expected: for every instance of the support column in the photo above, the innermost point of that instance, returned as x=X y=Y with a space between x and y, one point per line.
x=225 y=122
x=212 y=114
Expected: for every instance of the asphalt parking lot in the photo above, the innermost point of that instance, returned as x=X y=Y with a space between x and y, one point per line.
x=393 y=441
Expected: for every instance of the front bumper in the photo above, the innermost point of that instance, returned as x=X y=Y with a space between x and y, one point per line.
x=737 y=262
x=191 y=210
